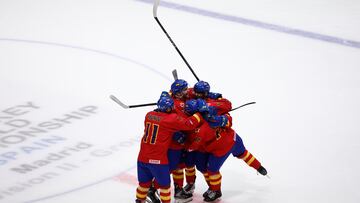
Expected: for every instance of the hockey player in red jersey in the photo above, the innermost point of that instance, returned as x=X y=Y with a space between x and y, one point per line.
x=220 y=106
x=180 y=93
x=198 y=140
x=202 y=90
x=224 y=138
x=160 y=126
x=176 y=153
x=219 y=142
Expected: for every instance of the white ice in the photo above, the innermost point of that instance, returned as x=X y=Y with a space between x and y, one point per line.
x=64 y=56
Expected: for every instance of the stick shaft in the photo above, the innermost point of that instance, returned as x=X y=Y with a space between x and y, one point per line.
x=178 y=51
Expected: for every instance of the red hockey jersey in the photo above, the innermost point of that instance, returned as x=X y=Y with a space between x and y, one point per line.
x=179 y=109
x=217 y=141
x=158 y=132
x=222 y=105
x=179 y=105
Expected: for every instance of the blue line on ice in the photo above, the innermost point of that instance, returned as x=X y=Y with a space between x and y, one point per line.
x=258 y=24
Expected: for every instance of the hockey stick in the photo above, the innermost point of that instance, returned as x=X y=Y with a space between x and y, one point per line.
x=115 y=99
x=175 y=75
x=156 y=5
x=242 y=106
x=129 y=106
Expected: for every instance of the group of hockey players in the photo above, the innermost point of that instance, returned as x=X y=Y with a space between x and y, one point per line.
x=191 y=129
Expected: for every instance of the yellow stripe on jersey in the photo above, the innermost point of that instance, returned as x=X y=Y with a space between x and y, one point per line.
x=197 y=117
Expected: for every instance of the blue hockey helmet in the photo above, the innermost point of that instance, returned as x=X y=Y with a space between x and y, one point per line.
x=165 y=104
x=202 y=88
x=191 y=106
x=178 y=86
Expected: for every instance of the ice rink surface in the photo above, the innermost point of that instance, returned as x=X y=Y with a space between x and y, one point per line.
x=62 y=140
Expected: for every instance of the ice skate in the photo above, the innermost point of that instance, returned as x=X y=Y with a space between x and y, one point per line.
x=153 y=196
x=189 y=188
x=262 y=171
x=206 y=192
x=181 y=196
x=212 y=196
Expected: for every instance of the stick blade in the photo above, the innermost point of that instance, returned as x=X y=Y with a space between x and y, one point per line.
x=243 y=106
x=118 y=102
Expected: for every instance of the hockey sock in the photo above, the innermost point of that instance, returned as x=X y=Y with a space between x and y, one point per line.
x=165 y=194
x=142 y=190
x=206 y=176
x=155 y=184
x=190 y=175
x=250 y=160
x=178 y=177
x=215 y=180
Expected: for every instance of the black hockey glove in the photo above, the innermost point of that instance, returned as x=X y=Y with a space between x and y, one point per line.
x=179 y=137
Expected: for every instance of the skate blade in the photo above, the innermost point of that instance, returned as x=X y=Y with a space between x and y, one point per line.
x=217 y=200
x=148 y=200
x=183 y=200
x=267 y=175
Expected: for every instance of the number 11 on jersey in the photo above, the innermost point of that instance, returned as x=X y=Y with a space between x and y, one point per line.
x=153 y=128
